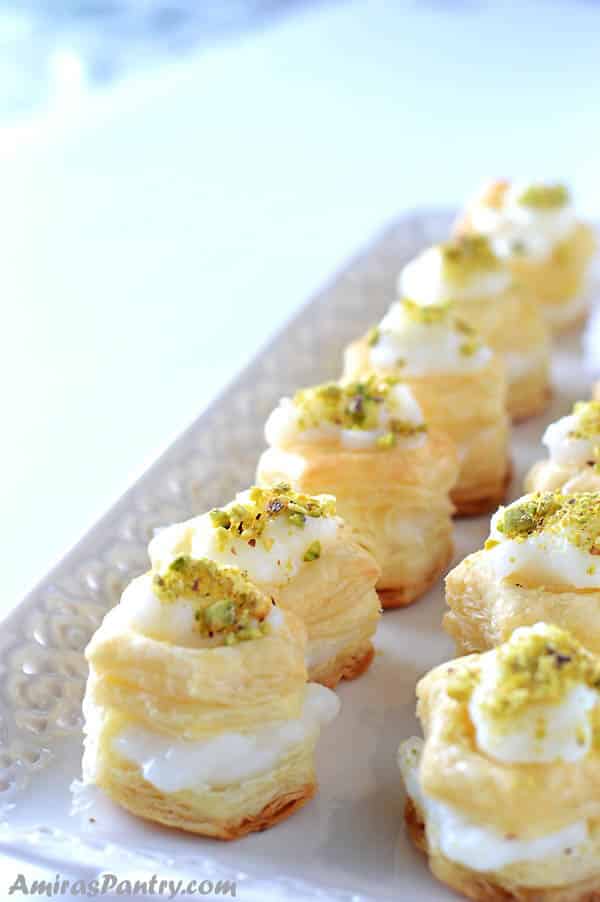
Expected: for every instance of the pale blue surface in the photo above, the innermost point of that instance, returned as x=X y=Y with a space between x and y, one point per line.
x=152 y=248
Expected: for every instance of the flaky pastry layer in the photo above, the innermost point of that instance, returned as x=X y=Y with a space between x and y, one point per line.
x=484 y=611
x=503 y=886
x=397 y=502
x=470 y=408
x=225 y=812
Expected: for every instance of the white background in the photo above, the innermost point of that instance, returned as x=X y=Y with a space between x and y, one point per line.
x=152 y=239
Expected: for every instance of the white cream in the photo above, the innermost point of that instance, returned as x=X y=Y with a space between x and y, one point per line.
x=418 y=349
x=424 y=280
x=565 y=450
x=277 y=565
x=543 y=733
x=173 y=765
x=476 y=847
x=283 y=425
x=534 y=231
x=544 y=558
x=173 y=621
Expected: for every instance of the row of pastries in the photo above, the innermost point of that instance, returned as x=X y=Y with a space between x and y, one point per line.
x=211 y=679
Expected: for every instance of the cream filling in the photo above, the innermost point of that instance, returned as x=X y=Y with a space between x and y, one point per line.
x=518 y=230
x=417 y=349
x=283 y=425
x=424 y=281
x=543 y=733
x=544 y=558
x=277 y=564
x=172 y=621
x=565 y=450
x=476 y=847
x=175 y=765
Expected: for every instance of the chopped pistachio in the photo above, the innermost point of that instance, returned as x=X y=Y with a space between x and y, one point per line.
x=405 y=428
x=354 y=405
x=537 y=668
x=219 y=615
x=534 y=667
x=220 y=518
x=426 y=314
x=313 y=552
x=228 y=606
x=386 y=441
x=470 y=347
x=545 y=197
x=373 y=336
x=466 y=256
x=248 y=520
x=577 y=517
x=587 y=414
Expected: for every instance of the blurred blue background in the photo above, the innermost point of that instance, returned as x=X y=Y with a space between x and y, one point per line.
x=176 y=178
x=45 y=44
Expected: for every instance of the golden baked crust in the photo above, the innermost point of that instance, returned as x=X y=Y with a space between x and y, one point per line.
x=511 y=323
x=484 y=612
x=547 y=476
x=530 y=395
x=561 y=278
x=397 y=502
x=406 y=594
x=336 y=600
x=227 y=812
x=525 y=800
x=554 y=282
x=196 y=693
x=348 y=665
x=191 y=693
x=472 y=503
x=469 y=407
x=485 y=887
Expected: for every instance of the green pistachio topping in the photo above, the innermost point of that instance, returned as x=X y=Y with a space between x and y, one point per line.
x=588 y=420
x=313 y=552
x=432 y=314
x=587 y=414
x=469 y=347
x=576 y=517
x=545 y=197
x=373 y=336
x=355 y=405
x=248 y=521
x=535 y=667
x=427 y=314
x=228 y=606
x=466 y=256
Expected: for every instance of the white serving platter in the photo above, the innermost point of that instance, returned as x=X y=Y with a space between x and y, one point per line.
x=347 y=844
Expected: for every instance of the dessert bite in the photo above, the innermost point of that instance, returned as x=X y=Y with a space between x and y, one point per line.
x=459 y=384
x=503 y=792
x=366 y=441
